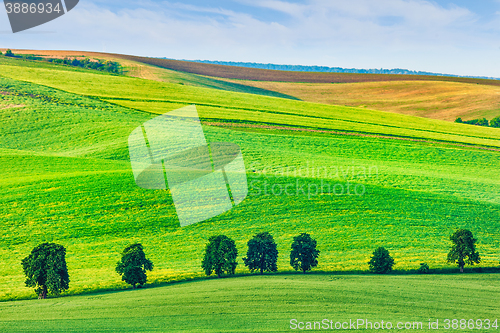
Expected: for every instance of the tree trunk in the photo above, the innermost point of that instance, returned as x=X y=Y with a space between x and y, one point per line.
x=461 y=268
x=133 y=285
x=261 y=271
x=43 y=294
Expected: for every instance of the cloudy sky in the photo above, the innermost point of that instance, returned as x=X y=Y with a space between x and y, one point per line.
x=455 y=36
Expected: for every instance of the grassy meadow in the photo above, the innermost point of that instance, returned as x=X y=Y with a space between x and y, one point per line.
x=434 y=97
x=159 y=97
x=65 y=178
x=265 y=304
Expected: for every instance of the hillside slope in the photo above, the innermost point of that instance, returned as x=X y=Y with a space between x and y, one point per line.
x=242 y=73
x=65 y=178
x=159 y=97
x=444 y=98
x=131 y=67
x=428 y=99
x=263 y=304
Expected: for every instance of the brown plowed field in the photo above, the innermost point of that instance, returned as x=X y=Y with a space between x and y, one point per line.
x=241 y=73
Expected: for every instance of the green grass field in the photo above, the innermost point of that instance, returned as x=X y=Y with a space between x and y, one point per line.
x=243 y=305
x=159 y=97
x=65 y=178
x=434 y=97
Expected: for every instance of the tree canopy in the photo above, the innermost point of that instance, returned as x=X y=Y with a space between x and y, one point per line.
x=478 y=122
x=220 y=256
x=304 y=253
x=463 y=249
x=381 y=262
x=262 y=254
x=45 y=269
x=495 y=122
x=133 y=265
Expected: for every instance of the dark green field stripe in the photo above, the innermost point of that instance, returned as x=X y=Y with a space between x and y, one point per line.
x=108 y=99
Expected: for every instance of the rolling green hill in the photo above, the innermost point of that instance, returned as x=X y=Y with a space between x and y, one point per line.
x=149 y=72
x=255 y=74
x=435 y=97
x=160 y=97
x=267 y=304
x=66 y=178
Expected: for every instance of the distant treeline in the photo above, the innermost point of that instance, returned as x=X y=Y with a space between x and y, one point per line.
x=324 y=69
x=100 y=65
x=495 y=122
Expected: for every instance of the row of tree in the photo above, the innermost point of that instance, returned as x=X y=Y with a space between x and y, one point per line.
x=96 y=64
x=463 y=251
x=46 y=271
x=262 y=255
x=495 y=122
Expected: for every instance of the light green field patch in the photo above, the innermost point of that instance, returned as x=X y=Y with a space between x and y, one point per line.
x=266 y=304
x=65 y=178
x=129 y=91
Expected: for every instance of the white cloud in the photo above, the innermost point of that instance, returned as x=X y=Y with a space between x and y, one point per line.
x=293 y=9
x=421 y=35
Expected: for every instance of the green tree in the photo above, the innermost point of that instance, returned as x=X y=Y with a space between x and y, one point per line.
x=381 y=262
x=495 y=122
x=220 y=256
x=459 y=120
x=424 y=268
x=463 y=249
x=45 y=269
x=482 y=122
x=477 y=122
x=304 y=254
x=133 y=265
x=9 y=53
x=75 y=62
x=262 y=253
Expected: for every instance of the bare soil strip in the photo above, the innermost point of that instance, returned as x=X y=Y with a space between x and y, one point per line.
x=242 y=73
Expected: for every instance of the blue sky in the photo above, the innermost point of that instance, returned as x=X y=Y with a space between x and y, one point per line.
x=456 y=37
